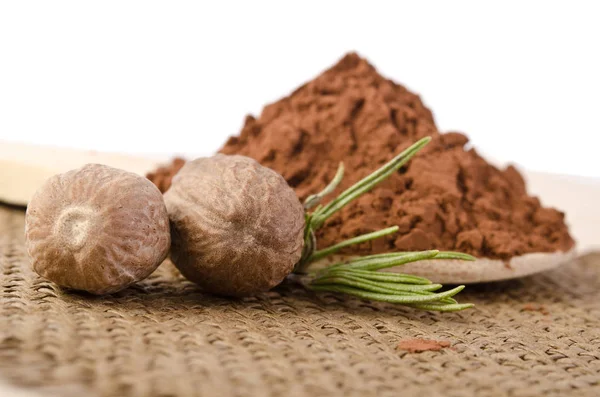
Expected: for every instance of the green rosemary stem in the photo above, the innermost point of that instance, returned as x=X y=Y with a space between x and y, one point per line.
x=454 y=255
x=355 y=240
x=402 y=299
x=374 y=286
x=367 y=183
x=310 y=244
x=378 y=264
x=440 y=255
x=442 y=307
x=361 y=277
x=384 y=276
x=315 y=199
x=382 y=261
x=394 y=259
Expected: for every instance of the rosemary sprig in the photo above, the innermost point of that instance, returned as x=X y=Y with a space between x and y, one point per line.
x=355 y=240
x=321 y=214
x=362 y=277
x=366 y=184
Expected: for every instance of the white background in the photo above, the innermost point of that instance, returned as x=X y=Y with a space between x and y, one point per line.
x=520 y=78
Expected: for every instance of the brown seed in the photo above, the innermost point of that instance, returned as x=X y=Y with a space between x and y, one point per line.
x=97 y=229
x=237 y=226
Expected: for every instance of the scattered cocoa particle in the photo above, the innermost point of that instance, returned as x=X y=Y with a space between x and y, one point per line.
x=448 y=197
x=418 y=345
x=532 y=307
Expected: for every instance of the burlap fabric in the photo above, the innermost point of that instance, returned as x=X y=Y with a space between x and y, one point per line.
x=166 y=338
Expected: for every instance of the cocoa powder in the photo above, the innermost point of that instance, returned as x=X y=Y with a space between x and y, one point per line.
x=448 y=197
x=420 y=345
x=533 y=307
x=163 y=176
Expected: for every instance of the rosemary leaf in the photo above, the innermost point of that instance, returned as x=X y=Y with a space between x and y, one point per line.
x=454 y=255
x=315 y=199
x=402 y=299
x=379 y=287
x=392 y=286
x=382 y=276
x=378 y=264
x=353 y=241
x=450 y=307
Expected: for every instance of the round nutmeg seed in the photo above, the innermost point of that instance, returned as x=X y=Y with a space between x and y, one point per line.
x=237 y=227
x=97 y=229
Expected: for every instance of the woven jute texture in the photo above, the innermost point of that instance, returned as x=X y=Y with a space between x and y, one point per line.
x=164 y=337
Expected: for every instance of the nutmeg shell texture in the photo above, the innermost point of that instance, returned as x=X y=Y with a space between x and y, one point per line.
x=97 y=229
x=237 y=227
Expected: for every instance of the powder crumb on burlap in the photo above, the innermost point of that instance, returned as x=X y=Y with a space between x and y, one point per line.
x=419 y=345
x=448 y=197
x=533 y=307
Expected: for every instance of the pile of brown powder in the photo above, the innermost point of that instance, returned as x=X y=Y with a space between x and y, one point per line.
x=163 y=176
x=446 y=198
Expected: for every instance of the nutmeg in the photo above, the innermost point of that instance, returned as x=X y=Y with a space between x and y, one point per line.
x=97 y=229
x=237 y=227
